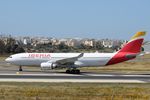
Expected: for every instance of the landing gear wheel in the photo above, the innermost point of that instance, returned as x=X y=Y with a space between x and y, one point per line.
x=77 y=71
x=73 y=71
x=68 y=71
x=20 y=68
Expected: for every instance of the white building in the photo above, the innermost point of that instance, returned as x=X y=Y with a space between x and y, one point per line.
x=88 y=42
x=44 y=41
x=26 y=40
x=107 y=43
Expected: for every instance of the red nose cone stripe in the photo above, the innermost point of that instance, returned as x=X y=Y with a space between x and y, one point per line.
x=132 y=47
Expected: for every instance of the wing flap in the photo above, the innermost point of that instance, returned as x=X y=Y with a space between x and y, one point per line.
x=69 y=60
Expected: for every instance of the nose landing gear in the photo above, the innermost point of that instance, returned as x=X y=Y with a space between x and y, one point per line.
x=20 y=68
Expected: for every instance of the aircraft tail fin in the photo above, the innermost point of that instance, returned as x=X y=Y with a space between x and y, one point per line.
x=135 y=43
x=130 y=50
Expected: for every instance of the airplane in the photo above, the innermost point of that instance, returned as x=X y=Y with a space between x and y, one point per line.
x=73 y=61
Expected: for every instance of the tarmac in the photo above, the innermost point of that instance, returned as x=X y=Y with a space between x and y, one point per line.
x=10 y=73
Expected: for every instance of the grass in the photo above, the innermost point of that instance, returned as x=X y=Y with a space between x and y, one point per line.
x=2 y=58
x=126 y=67
x=73 y=91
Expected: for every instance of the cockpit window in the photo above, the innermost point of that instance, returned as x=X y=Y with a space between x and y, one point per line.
x=10 y=56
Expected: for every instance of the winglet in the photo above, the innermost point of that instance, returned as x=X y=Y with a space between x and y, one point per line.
x=81 y=55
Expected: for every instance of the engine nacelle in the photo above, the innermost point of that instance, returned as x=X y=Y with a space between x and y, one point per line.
x=48 y=65
x=78 y=63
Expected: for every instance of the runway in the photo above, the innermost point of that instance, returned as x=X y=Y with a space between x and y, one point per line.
x=83 y=77
x=9 y=73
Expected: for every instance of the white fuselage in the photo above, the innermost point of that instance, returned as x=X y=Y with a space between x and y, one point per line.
x=35 y=59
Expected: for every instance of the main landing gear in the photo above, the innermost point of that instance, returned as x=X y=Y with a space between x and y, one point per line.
x=73 y=71
x=20 y=68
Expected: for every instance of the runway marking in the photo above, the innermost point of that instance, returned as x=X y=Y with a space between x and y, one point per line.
x=75 y=75
x=71 y=80
x=85 y=78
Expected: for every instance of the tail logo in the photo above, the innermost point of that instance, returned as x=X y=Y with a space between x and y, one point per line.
x=130 y=50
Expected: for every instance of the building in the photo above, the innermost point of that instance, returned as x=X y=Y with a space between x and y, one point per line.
x=55 y=41
x=26 y=40
x=107 y=43
x=88 y=42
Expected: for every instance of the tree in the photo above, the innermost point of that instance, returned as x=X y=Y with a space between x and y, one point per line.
x=99 y=45
x=13 y=47
x=62 y=46
x=19 y=49
x=2 y=47
x=8 y=48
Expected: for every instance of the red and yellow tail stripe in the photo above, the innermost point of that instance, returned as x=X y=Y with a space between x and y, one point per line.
x=138 y=35
x=130 y=50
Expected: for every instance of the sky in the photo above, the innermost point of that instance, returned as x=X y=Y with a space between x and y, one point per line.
x=114 y=19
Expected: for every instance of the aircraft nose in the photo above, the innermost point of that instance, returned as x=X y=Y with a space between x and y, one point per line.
x=7 y=60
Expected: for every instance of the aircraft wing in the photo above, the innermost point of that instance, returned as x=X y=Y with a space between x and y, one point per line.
x=69 y=60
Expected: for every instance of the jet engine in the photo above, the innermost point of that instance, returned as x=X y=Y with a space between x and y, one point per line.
x=48 y=65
